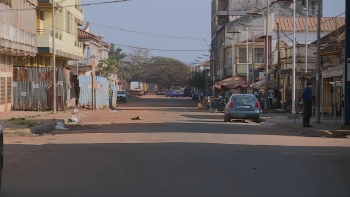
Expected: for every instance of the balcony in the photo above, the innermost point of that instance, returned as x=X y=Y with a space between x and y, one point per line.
x=65 y=44
x=242 y=69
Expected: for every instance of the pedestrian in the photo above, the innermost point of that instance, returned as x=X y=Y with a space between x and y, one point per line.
x=277 y=98
x=270 y=97
x=307 y=102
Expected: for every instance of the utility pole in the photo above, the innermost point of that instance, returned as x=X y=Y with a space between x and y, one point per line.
x=306 y=33
x=294 y=77
x=277 y=73
x=318 y=67
x=54 y=105
x=267 y=58
x=346 y=77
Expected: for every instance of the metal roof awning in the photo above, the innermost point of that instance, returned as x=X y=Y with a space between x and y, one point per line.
x=334 y=72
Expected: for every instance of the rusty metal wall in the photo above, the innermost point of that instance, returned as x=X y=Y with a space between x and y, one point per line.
x=33 y=88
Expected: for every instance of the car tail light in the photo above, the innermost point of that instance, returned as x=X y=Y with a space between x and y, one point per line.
x=257 y=105
x=232 y=105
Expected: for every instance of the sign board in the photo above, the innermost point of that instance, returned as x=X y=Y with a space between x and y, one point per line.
x=261 y=75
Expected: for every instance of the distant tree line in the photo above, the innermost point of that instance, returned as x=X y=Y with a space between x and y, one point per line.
x=139 y=65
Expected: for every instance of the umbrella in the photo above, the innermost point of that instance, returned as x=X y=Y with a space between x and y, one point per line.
x=232 y=83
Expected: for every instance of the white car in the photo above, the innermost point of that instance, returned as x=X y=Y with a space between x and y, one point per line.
x=181 y=92
x=121 y=95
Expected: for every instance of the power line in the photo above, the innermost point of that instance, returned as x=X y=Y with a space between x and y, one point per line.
x=150 y=49
x=150 y=34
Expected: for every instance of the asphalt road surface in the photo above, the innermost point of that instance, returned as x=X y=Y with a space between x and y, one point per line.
x=190 y=153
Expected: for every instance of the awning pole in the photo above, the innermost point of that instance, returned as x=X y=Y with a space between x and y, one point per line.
x=322 y=100
x=334 y=101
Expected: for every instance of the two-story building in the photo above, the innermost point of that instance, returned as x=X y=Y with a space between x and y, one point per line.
x=67 y=17
x=56 y=34
x=332 y=66
x=17 y=41
x=229 y=16
x=94 y=50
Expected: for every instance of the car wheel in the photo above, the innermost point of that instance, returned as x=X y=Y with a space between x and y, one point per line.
x=257 y=120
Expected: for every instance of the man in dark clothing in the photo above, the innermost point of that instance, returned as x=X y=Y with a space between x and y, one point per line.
x=277 y=98
x=307 y=100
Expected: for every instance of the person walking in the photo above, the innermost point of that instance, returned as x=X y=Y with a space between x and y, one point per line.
x=307 y=101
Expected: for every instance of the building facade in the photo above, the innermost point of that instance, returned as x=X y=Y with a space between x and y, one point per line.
x=17 y=41
x=94 y=50
x=68 y=16
x=233 y=16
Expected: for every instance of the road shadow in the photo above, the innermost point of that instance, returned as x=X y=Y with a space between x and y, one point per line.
x=213 y=126
x=174 y=169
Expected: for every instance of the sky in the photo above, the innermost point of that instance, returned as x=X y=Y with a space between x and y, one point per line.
x=164 y=25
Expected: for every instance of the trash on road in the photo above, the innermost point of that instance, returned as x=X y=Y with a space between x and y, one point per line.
x=73 y=119
x=60 y=126
x=137 y=118
x=75 y=111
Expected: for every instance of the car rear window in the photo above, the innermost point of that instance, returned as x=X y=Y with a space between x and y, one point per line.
x=120 y=92
x=244 y=98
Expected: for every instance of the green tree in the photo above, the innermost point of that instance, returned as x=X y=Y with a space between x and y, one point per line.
x=107 y=67
x=164 y=70
x=197 y=80
x=137 y=63
x=116 y=53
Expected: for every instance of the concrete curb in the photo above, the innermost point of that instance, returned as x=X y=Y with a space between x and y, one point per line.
x=304 y=131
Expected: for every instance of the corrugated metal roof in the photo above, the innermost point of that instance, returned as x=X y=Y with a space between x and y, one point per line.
x=327 y=23
x=338 y=33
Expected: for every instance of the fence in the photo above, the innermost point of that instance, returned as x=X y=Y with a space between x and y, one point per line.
x=33 y=89
x=101 y=94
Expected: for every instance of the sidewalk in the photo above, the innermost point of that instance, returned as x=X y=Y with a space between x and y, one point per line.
x=35 y=122
x=326 y=128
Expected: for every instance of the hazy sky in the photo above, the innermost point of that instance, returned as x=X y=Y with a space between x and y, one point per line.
x=163 y=25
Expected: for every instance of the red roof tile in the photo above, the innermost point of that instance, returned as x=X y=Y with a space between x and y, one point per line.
x=327 y=23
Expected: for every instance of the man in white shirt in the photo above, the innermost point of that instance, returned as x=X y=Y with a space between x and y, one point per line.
x=270 y=97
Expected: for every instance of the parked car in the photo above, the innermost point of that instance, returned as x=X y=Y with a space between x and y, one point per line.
x=175 y=94
x=242 y=106
x=121 y=95
x=168 y=93
x=182 y=92
x=187 y=92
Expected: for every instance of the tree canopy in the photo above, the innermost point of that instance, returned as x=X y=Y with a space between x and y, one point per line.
x=166 y=71
x=197 y=80
x=116 y=54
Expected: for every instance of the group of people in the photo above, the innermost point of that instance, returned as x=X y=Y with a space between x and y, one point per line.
x=274 y=98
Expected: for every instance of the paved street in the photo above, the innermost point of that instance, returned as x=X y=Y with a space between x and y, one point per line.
x=176 y=150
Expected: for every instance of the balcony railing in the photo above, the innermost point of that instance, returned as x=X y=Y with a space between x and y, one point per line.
x=40 y=32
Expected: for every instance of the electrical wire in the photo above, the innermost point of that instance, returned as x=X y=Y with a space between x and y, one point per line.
x=150 y=49
x=150 y=34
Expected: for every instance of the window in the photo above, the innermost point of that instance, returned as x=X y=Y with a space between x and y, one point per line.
x=258 y=55
x=87 y=52
x=41 y=15
x=68 y=23
x=244 y=98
